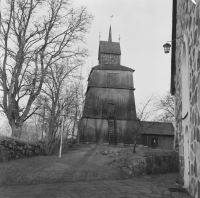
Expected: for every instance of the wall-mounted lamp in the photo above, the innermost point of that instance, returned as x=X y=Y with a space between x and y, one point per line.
x=167 y=45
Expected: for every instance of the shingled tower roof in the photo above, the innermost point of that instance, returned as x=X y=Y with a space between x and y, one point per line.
x=109 y=47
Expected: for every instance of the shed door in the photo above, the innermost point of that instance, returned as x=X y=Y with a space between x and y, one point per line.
x=154 y=142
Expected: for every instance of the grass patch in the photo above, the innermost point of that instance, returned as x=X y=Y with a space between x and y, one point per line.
x=81 y=162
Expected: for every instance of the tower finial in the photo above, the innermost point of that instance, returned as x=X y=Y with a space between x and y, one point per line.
x=110 y=32
x=110 y=35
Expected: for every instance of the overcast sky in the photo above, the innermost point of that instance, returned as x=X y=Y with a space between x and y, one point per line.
x=144 y=26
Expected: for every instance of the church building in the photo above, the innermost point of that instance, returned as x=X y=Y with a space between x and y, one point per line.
x=109 y=109
x=185 y=86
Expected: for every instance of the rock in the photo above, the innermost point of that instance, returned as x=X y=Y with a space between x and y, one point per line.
x=36 y=151
x=167 y=192
x=30 y=153
x=29 y=146
x=115 y=160
x=23 y=151
x=105 y=153
x=126 y=170
x=130 y=166
x=26 y=152
x=20 y=148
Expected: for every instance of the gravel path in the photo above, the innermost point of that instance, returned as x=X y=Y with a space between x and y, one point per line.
x=140 y=187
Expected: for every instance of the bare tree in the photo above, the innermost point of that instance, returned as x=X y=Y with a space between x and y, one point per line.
x=79 y=102
x=164 y=106
x=144 y=112
x=159 y=109
x=29 y=132
x=35 y=35
x=60 y=98
x=37 y=121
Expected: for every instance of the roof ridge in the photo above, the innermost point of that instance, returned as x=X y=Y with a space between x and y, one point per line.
x=108 y=42
x=156 y=122
x=112 y=66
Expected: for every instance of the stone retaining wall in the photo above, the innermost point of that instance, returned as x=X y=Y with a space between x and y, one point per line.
x=14 y=149
x=154 y=164
x=161 y=164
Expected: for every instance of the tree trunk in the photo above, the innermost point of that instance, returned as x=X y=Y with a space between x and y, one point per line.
x=50 y=138
x=16 y=129
x=134 y=147
x=73 y=129
x=43 y=123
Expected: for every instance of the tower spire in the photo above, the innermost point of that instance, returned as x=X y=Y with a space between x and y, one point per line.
x=110 y=35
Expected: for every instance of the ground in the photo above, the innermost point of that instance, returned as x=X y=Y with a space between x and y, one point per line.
x=86 y=171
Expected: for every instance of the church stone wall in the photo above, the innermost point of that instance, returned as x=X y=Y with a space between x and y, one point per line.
x=188 y=25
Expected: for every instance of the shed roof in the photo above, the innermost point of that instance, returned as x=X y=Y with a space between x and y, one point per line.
x=157 y=128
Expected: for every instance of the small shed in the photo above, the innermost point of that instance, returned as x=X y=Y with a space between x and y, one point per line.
x=157 y=135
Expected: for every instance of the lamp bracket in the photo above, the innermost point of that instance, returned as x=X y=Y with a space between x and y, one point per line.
x=176 y=38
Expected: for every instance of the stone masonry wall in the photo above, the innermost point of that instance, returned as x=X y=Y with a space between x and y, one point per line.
x=188 y=23
x=153 y=164
x=11 y=149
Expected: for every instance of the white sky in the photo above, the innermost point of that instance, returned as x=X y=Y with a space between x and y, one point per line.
x=144 y=26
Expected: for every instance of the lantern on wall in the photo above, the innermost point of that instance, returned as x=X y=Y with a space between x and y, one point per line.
x=167 y=48
x=167 y=45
